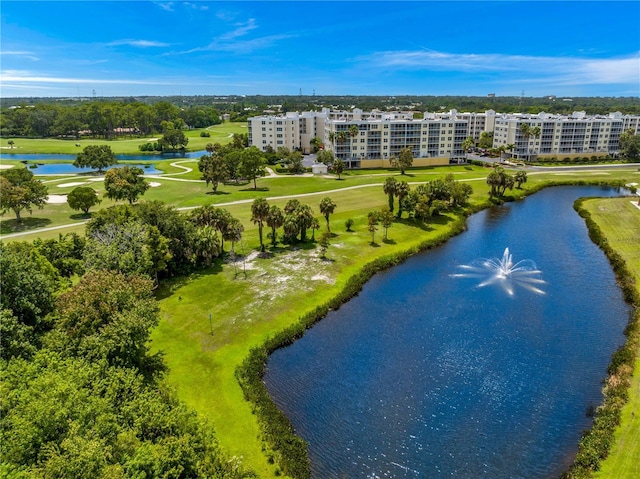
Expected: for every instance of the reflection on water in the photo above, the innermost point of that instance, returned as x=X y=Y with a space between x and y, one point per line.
x=423 y=375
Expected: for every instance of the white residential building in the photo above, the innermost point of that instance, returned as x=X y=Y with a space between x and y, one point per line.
x=561 y=135
x=293 y=130
x=372 y=139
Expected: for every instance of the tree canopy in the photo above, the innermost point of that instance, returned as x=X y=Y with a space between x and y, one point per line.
x=82 y=198
x=125 y=183
x=95 y=156
x=20 y=190
x=630 y=145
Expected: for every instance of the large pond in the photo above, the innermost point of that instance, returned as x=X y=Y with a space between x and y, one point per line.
x=428 y=374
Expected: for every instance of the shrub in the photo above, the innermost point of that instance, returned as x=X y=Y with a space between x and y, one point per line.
x=596 y=443
x=349 y=223
x=205 y=134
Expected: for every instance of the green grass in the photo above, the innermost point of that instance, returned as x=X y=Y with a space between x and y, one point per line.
x=619 y=220
x=219 y=134
x=246 y=311
x=276 y=291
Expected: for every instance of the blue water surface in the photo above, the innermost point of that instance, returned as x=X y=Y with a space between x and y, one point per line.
x=47 y=164
x=426 y=375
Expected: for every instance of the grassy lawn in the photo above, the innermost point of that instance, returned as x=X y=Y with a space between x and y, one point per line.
x=247 y=310
x=219 y=134
x=619 y=220
x=277 y=289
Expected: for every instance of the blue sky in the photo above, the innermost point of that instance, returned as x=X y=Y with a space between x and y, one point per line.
x=575 y=48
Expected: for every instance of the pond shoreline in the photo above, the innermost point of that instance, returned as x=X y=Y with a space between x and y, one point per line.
x=278 y=433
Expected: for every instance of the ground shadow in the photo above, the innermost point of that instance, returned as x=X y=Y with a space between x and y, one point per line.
x=28 y=224
x=413 y=223
x=389 y=241
x=80 y=216
x=263 y=188
x=169 y=286
x=373 y=244
x=218 y=193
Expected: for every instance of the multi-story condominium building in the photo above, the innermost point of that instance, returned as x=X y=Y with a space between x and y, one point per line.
x=373 y=139
x=293 y=130
x=366 y=139
x=550 y=135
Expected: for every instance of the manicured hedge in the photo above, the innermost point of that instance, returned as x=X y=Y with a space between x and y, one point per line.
x=597 y=441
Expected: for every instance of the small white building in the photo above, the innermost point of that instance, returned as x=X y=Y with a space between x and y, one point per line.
x=319 y=169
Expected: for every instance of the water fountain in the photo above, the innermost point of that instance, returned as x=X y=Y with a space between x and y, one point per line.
x=504 y=273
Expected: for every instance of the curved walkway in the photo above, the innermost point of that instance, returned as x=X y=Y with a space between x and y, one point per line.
x=540 y=170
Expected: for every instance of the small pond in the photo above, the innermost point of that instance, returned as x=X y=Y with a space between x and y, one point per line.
x=48 y=168
x=440 y=369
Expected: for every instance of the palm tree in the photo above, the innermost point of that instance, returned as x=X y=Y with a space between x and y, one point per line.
x=233 y=233
x=494 y=180
x=353 y=131
x=338 y=167
x=315 y=224
x=327 y=206
x=275 y=219
x=316 y=144
x=510 y=147
x=259 y=214
x=468 y=144
x=304 y=216
x=389 y=187
x=535 y=131
x=386 y=218
x=520 y=177
x=402 y=191
x=373 y=221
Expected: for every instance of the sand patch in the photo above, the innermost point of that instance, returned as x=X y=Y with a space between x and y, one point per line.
x=75 y=183
x=96 y=179
x=154 y=184
x=322 y=277
x=5 y=167
x=57 y=199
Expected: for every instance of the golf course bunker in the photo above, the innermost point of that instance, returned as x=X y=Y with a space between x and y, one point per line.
x=75 y=183
x=154 y=184
x=57 y=199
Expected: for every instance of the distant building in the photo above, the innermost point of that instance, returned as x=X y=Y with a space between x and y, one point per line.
x=373 y=138
x=562 y=135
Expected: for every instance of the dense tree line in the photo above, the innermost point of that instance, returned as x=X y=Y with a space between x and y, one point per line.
x=82 y=396
x=105 y=119
x=240 y=107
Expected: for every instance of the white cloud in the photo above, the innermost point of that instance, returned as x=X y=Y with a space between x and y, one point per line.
x=25 y=76
x=241 y=30
x=195 y=7
x=28 y=55
x=234 y=41
x=567 y=70
x=167 y=6
x=138 y=43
